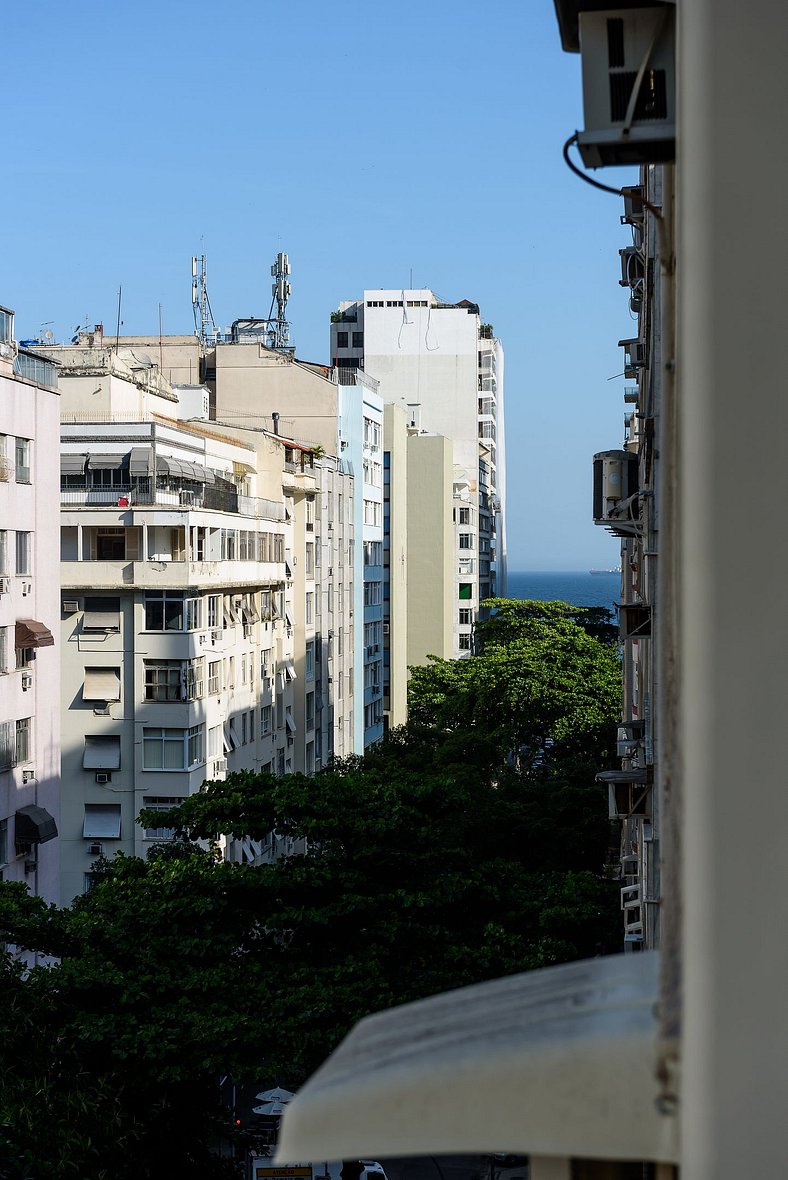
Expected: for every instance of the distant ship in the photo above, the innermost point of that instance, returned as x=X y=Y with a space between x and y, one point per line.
x=600 y=573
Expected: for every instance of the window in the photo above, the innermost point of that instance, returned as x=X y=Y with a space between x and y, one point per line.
x=310 y=514
x=466 y=591
x=243 y=668
x=214 y=677
x=7 y=744
x=309 y=661
x=23 y=748
x=101 y=684
x=265 y=720
x=101 y=752
x=22 y=457
x=196 y=744
x=214 y=612
x=358 y=339
x=193 y=614
x=309 y=559
x=309 y=614
x=101 y=614
x=310 y=710
x=342 y=339
x=465 y=641
x=164 y=610
x=23 y=553
x=466 y=540
x=102 y=821
x=464 y=516
x=4 y=648
x=160 y=803
x=164 y=749
x=24 y=657
x=466 y=616
x=244 y=736
x=195 y=680
x=214 y=740
x=163 y=680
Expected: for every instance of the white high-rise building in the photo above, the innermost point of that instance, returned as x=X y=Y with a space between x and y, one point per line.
x=445 y=368
x=29 y=613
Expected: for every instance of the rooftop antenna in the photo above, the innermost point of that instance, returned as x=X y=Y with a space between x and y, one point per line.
x=204 y=324
x=279 y=328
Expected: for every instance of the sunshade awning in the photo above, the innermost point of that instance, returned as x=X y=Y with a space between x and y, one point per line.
x=101 y=753
x=30 y=633
x=140 y=461
x=101 y=684
x=72 y=464
x=168 y=466
x=105 y=462
x=559 y=1061
x=34 y=825
x=102 y=820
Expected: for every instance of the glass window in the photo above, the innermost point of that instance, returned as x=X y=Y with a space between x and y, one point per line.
x=214 y=677
x=466 y=591
x=214 y=611
x=196 y=740
x=466 y=540
x=160 y=803
x=23 y=743
x=164 y=610
x=265 y=720
x=310 y=601
x=309 y=661
x=163 y=749
x=23 y=553
x=164 y=680
x=22 y=457
x=342 y=339
x=465 y=642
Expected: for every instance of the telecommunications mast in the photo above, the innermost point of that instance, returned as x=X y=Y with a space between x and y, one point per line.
x=278 y=327
x=201 y=304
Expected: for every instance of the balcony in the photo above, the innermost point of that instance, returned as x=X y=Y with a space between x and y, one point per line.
x=176 y=494
x=175 y=575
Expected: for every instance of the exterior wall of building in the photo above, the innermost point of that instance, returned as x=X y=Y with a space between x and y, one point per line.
x=431 y=551
x=29 y=676
x=445 y=368
x=395 y=566
x=250 y=383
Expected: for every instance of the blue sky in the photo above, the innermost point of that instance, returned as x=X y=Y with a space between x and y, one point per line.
x=365 y=141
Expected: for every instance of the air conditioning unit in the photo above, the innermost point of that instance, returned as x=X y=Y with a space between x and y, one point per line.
x=615 y=482
x=386 y=628
x=27 y=681
x=28 y=776
x=70 y=606
x=629 y=105
x=635 y=357
x=27 y=588
x=634 y=210
x=5 y=585
x=103 y=777
x=632 y=267
x=95 y=849
x=220 y=766
x=216 y=636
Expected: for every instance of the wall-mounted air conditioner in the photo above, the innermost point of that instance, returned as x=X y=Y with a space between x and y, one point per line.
x=95 y=849
x=216 y=636
x=629 y=106
x=5 y=585
x=27 y=588
x=220 y=766
x=632 y=266
x=103 y=777
x=634 y=210
x=70 y=606
x=615 y=482
x=28 y=776
x=635 y=357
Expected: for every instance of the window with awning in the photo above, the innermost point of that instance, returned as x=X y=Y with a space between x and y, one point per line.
x=105 y=462
x=34 y=825
x=30 y=633
x=101 y=684
x=73 y=464
x=290 y=671
x=101 y=753
x=140 y=462
x=102 y=821
x=101 y=614
x=289 y=722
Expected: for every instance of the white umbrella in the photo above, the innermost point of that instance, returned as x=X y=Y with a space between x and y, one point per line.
x=274 y=1101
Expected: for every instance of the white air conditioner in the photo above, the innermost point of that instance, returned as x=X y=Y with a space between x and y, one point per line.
x=220 y=766
x=632 y=266
x=5 y=585
x=95 y=849
x=386 y=628
x=628 y=60
x=70 y=605
x=103 y=777
x=216 y=636
x=28 y=776
x=27 y=681
x=27 y=588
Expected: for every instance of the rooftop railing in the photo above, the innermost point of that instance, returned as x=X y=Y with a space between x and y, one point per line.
x=175 y=494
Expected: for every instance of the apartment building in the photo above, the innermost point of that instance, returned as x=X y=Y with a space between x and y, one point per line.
x=444 y=367
x=29 y=610
x=177 y=609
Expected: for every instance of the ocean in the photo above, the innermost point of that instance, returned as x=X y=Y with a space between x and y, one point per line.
x=580 y=589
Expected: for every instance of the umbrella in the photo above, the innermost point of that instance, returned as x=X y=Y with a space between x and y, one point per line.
x=274 y=1101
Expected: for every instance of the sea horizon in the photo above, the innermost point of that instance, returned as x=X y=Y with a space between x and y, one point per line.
x=577 y=587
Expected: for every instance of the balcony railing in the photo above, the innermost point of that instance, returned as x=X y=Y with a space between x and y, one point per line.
x=36 y=368
x=176 y=494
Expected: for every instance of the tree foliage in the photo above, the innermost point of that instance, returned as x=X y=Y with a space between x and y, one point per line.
x=435 y=861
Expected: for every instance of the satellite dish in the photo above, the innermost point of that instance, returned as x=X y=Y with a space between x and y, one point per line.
x=48 y=335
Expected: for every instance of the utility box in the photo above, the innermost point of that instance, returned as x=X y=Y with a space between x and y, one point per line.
x=629 y=86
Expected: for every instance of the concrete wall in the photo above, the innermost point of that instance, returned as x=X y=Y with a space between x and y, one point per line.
x=395 y=443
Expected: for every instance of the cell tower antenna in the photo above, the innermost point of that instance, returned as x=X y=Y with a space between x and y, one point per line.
x=201 y=305
x=278 y=326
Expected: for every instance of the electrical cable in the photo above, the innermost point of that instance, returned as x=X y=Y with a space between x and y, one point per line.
x=606 y=188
